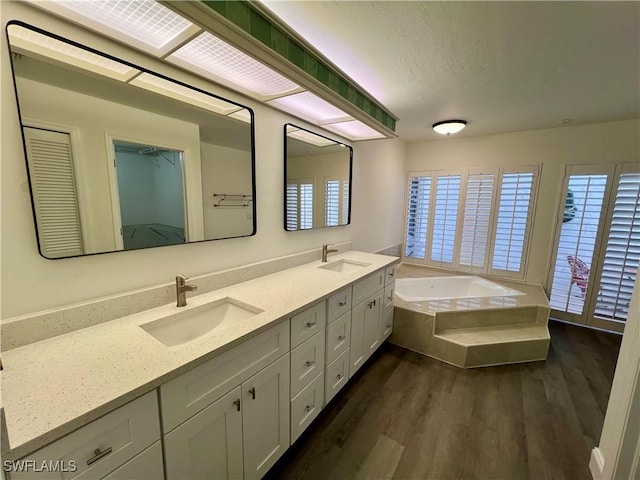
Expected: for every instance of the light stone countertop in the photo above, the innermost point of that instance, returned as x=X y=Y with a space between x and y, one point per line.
x=55 y=386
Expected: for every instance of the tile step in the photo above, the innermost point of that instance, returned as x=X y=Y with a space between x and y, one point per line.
x=495 y=334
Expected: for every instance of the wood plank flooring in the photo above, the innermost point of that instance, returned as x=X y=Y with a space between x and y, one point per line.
x=406 y=416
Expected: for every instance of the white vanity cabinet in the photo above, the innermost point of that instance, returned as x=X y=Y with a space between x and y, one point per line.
x=365 y=331
x=236 y=407
x=103 y=448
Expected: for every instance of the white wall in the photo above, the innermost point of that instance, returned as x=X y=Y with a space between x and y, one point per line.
x=225 y=170
x=553 y=148
x=31 y=283
x=378 y=202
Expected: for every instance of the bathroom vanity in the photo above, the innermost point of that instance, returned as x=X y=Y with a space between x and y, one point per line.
x=158 y=395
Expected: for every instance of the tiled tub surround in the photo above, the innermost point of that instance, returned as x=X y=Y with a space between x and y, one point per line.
x=54 y=386
x=473 y=332
x=26 y=329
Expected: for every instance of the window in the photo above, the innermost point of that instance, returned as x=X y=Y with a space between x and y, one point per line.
x=299 y=205
x=479 y=220
x=336 y=203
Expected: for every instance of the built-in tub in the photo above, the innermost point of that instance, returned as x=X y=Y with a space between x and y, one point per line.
x=425 y=289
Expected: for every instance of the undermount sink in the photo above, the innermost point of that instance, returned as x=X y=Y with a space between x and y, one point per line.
x=183 y=327
x=344 y=266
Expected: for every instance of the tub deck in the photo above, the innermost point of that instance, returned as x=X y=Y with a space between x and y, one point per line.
x=474 y=332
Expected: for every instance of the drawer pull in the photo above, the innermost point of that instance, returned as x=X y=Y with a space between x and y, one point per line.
x=252 y=392
x=340 y=376
x=342 y=304
x=98 y=455
x=308 y=408
x=308 y=363
x=236 y=402
x=341 y=338
x=390 y=298
x=391 y=274
x=311 y=324
x=372 y=304
x=389 y=325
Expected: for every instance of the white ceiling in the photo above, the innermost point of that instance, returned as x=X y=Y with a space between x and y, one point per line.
x=502 y=66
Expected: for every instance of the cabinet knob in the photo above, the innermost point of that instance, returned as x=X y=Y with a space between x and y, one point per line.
x=98 y=455
x=308 y=363
x=342 y=304
x=341 y=338
x=389 y=325
x=236 y=402
x=308 y=408
x=340 y=376
x=391 y=274
x=252 y=392
x=310 y=324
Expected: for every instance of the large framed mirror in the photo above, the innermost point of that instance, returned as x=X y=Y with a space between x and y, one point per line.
x=122 y=158
x=317 y=180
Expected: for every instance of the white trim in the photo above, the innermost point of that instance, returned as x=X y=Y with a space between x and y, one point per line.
x=596 y=464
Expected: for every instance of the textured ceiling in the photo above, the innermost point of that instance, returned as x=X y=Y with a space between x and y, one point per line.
x=502 y=66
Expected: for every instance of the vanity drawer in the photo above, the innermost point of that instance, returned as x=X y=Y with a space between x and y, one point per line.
x=307 y=361
x=337 y=375
x=338 y=337
x=338 y=304
x=386 y=325
x=390 y=274
x=387 y=300
x=145 y=466
x=367 y=286
x=306 y=324
x=306 y=406
x=123 y=433
x=198 y=388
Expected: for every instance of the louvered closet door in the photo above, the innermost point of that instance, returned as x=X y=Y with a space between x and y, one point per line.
x=54 y=192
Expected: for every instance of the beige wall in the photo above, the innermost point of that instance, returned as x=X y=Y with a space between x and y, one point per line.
x=225 y=170
x=553 y=149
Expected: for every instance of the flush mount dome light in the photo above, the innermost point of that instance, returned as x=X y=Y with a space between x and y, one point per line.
x=447 y=127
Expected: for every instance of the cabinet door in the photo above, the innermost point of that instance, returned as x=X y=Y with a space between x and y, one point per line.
x=386 y=325
x=356 y=349
x=265 y=418
x=147 y=465
x=372 y=324
x=208 y=445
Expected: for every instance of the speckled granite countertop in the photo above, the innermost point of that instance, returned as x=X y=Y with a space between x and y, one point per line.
x=55 y=386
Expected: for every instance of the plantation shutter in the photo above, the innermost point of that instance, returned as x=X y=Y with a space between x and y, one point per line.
x=622 y=254
x=577 y=242
x=306 y=205
x=445 y=217
x=331 y=202
x=345 y=202
x=515 y=211
x=476 y=221
x=292 y=206
x=418 y=216
x=54 y=192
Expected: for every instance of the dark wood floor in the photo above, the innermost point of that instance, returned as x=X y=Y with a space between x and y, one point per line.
x=406 y=416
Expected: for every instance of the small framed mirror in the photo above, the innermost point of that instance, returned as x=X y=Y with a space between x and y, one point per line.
x=122 y=158
x=317 y=173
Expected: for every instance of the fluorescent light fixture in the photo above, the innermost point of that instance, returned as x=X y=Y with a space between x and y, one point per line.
x=310 y=107
x=47 y=48
x=354 y=130
x=308 y=137
x=150 y=25
x=217 y=60
x=183 y=94
x=243 y=115
x=449 y=127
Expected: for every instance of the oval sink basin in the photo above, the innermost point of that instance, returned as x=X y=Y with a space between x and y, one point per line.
x=344 y=266
x=183 y=327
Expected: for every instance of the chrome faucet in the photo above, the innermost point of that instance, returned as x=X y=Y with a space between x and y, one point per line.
x=181 y=290
x=326 y=251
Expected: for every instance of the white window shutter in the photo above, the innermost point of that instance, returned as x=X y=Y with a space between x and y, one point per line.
x=306 y=205
x=445 y=218
x=54 y=192
x=476 y=221
x=419 y=198
x=331 y=202
x=292 y=206
x=622 y=254
x=344 y=210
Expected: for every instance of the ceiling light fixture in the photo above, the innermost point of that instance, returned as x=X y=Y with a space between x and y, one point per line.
x=448 y=127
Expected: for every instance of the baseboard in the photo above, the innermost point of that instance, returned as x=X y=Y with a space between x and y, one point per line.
x=596 y=464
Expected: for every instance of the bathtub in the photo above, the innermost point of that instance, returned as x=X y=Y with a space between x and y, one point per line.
x=425 y=289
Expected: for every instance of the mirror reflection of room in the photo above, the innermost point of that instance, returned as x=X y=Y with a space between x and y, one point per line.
x=86 y=117
x=318 y=180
